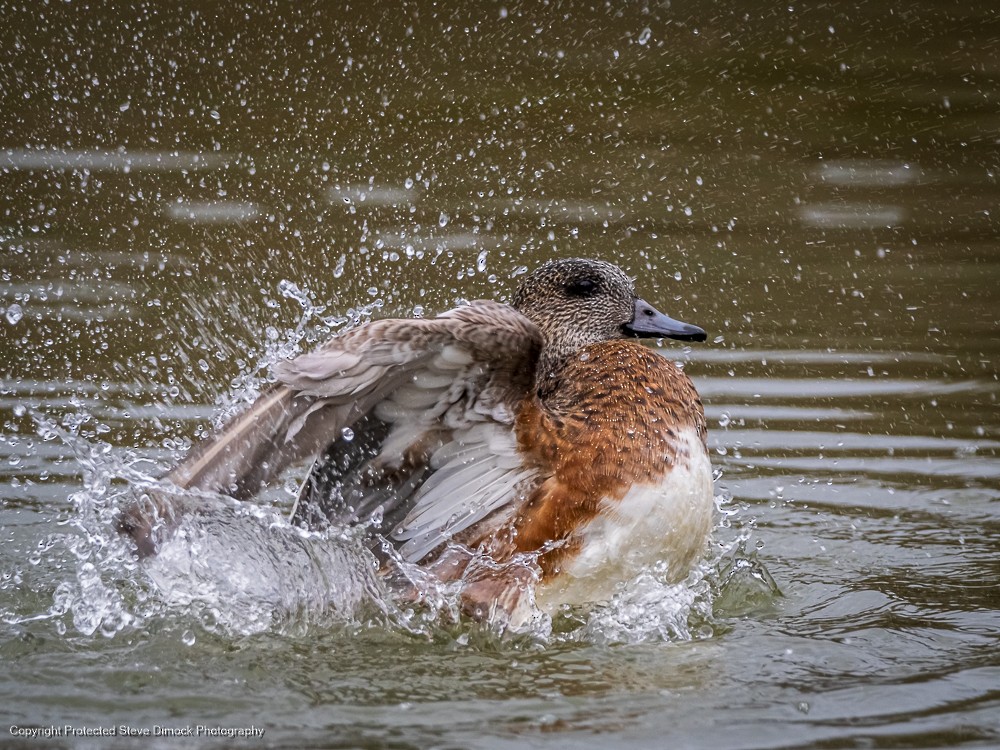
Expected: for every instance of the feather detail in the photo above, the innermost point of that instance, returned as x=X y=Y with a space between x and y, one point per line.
x=424 y=381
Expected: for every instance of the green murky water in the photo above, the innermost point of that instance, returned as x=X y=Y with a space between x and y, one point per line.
x=190 y=192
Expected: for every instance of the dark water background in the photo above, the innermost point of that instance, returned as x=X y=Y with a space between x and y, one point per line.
x=190 y=191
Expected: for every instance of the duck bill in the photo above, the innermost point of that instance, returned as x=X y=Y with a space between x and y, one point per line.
x=648 y=322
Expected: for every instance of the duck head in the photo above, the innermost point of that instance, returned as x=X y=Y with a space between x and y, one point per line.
x=578 y=301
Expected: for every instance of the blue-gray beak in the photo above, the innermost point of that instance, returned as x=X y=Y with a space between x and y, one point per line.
x=648 y=322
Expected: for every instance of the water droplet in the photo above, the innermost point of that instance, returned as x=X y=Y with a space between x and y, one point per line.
x=209 y=620
x=14 y=313
x=290 y=290
x=188 y=638
x=443 y=219
x=645 y=35
x=338 y=270
x=725 y=419
x=347 y=433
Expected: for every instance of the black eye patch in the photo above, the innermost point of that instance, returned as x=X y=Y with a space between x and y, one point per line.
x=582 y=288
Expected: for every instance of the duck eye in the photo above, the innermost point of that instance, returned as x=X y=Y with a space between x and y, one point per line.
x=582 y=288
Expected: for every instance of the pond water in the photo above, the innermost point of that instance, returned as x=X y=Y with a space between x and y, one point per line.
x=191 y=194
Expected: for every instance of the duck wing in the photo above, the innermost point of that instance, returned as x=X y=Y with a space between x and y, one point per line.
x=410 y=422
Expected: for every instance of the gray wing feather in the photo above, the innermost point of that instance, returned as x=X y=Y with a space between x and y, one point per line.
x=469 y=365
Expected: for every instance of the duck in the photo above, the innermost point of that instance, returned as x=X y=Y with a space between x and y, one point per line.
x=537 y=453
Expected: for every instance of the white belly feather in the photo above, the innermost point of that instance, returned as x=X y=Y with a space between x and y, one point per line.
x=668 y=522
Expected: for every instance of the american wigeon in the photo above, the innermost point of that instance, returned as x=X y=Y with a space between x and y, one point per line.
x=539 y=436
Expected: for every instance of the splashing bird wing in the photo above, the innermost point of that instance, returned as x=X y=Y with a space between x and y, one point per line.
x=434 y=401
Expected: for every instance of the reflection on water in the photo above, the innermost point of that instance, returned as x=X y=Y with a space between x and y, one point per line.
x=51 y=159
x=189 y=197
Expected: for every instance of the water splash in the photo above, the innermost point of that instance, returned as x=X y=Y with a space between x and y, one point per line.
x=652 y=608
x=230 y=567
x=313 y=325
x=647 y=608
x=244 y=569
x=238 y=568
x=103 y=594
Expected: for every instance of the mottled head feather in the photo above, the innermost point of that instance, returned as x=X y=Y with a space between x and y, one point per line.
x=575 y=302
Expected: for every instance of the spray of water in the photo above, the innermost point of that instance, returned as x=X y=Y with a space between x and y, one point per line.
x=240 y=568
